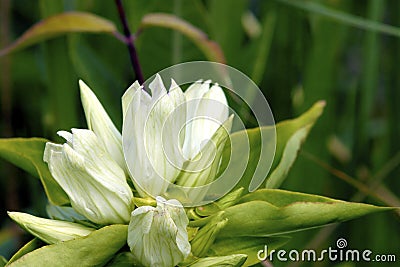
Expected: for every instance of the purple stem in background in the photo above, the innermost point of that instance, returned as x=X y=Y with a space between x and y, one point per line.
x=129 y=42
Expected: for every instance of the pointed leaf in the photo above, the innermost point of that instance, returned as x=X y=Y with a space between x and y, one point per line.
x=246 y=245
x=95 y=249
x=28 y=247
x=263 y=215
x=61 y=24
x=284 y=131
x=27 y=153
x=289 y=156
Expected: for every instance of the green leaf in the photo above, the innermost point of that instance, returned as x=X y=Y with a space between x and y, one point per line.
x=95 y=249
x=284 y=132
x=226 y=201
x=246 y=245
x=28 y=247
x=27 y=153
x=289 y=156
x=3 y=261
x=270 y=212
x=210 y=48
x=223 y=261
x=286 y=129
x=221 y=22
x=263 y=45
x=61 y=24
x=124 y=259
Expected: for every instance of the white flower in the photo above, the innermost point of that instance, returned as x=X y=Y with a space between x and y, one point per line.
x=151 y=128
x=94 y=182
x=50 y=231
x=158 y=236
x=168 y=132
x=207 y=109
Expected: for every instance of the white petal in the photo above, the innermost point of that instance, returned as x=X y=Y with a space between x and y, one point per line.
x=94 y=182
x=205 y=165
x=197 y=89
x=50 y=231
x=100 y=123
x=150 y=136
x=128 y=96
x=205 y=115
x=66 y=135
x=157 y=88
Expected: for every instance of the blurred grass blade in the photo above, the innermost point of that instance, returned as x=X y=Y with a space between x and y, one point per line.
x=264 y=45
x=27 y=153
x=210 y=48
x=225 y=26
x=343 y=17
x=61 y=24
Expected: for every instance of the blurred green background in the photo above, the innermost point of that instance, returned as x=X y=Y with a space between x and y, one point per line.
x=298 y=52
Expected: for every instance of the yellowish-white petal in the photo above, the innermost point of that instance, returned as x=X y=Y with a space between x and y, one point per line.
x=94 y=182
x=50 y=231
x=101 y=124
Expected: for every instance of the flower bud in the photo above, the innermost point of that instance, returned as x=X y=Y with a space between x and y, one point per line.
x=206 y=236
x=157 y=236
x=50 y=231
x=94 y=182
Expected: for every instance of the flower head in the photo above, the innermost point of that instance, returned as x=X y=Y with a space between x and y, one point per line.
x=94 y=182
x=167 y=132
x=146 y=127
x=157 y=236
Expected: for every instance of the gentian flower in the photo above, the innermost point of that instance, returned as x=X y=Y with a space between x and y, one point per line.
x=174 y=137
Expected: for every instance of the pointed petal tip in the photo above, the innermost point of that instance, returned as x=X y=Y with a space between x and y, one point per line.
x=157 y=86
x=83 y=86
x=173 y=86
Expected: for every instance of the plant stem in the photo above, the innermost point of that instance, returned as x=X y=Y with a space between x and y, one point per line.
x=129 y=42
